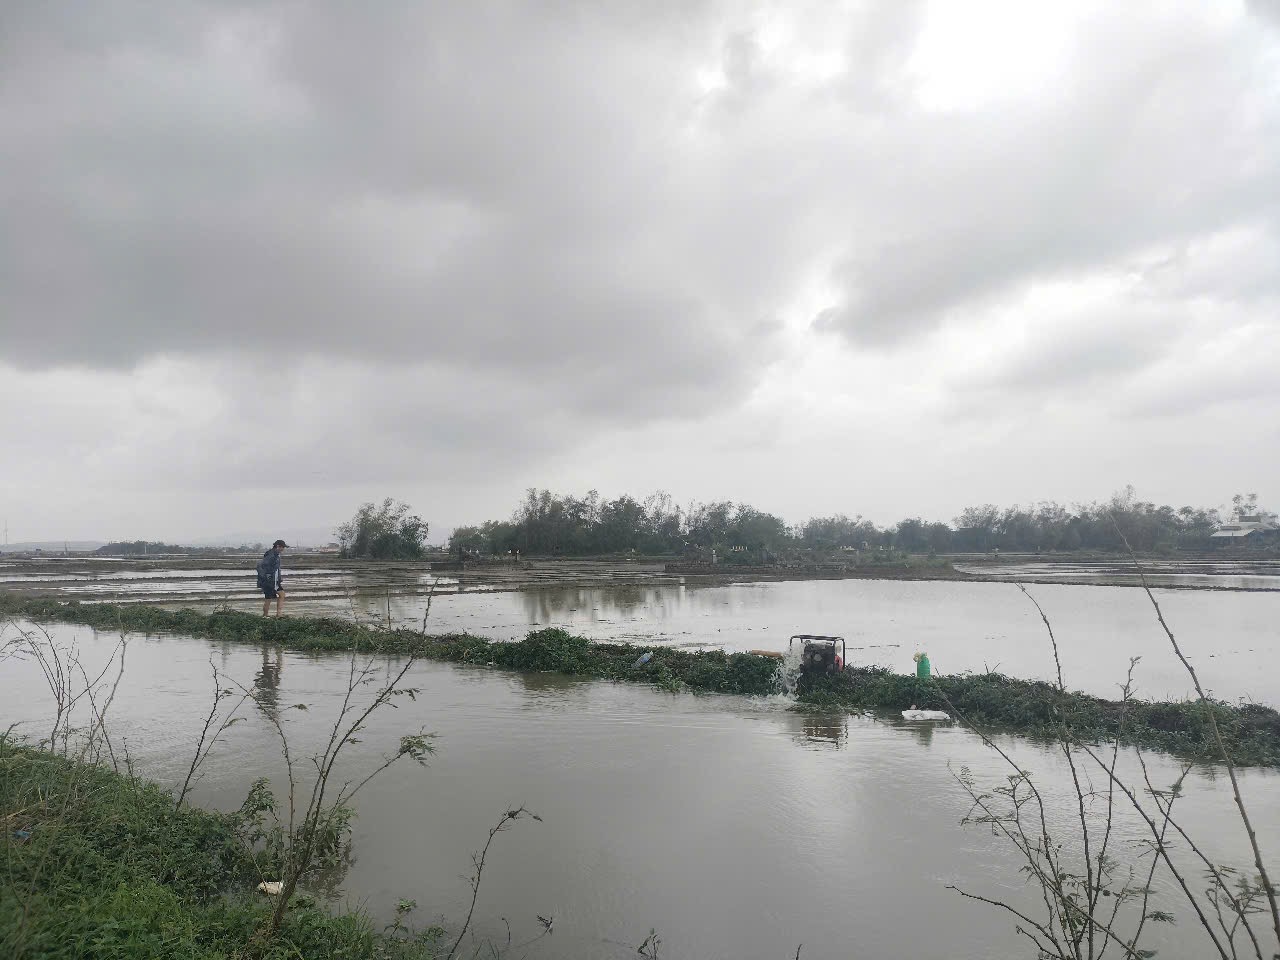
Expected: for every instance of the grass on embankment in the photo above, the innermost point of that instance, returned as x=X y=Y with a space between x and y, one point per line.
x=1251 y=733
x=99 y=864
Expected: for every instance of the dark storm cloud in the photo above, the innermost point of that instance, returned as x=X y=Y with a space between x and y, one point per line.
x=547 y=189
x=489 y=186
x=270 y=247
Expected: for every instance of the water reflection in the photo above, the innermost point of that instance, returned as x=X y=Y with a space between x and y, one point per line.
x=543 y=682
x=543 y=605
x=266 y=682
x=923 y=732
x=826 y=728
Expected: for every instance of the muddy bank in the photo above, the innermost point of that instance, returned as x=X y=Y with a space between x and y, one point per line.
x=879 y=571
x=215 y=579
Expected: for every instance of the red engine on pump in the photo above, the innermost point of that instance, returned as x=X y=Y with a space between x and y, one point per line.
x=820 y=654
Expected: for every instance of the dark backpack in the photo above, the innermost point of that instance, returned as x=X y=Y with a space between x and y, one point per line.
x=266 y=571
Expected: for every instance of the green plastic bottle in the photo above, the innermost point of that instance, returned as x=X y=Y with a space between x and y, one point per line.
x=922 y=666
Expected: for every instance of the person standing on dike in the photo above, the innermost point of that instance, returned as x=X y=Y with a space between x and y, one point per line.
x=270 y=580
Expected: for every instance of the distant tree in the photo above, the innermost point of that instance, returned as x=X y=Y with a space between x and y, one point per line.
x=386 y=532
x=552 y=524
x=939 y=536
x=149 y=547
x=1070 y=539
x=911 y=536
x=491 y=537
x=119 y=547
x=914 y=535
x=663 y=524
x=1017 y=529
x=621 y=525
x=757 y=530
x=1246 y=505
x=547 y=523
x=978 y=527
x=468 y=540
x=829 y=533
x=1051 y=523
x=709 y=524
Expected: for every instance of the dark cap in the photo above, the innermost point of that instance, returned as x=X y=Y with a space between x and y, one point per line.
x=279 y=543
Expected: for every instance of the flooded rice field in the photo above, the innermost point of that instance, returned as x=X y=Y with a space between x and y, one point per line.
x=734 y=827
x=1199 y=574
x=1232 y=636
x=230 y=579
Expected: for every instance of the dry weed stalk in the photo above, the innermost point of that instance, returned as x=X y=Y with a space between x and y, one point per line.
x=323 y=811
x=206 y=742
x=1077 y=923
x=477 y=872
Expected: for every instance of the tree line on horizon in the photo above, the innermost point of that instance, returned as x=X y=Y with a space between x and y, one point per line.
x=117 y=548
x=547 y=523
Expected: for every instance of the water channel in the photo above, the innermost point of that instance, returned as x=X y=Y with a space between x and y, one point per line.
x=1232 y=637
x=735 y=827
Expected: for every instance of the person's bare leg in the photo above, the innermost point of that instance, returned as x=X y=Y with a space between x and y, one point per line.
x=279 y=602
x=266 y=605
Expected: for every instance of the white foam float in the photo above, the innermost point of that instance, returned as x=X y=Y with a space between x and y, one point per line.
x=926 y=715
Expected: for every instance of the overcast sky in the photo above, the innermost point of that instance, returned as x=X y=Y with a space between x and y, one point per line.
x=262 y=261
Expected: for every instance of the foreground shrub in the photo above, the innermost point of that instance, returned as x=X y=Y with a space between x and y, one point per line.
x=99 y=864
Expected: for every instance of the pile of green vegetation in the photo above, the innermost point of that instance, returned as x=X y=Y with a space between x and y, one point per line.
x=1251 y=733
x=100 y=864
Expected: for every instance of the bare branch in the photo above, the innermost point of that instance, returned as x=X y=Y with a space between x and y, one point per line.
x=507 y=817
x=1267 y=886
x=202 y=747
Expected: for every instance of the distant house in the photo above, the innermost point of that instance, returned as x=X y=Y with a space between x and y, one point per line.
x=1245 y=530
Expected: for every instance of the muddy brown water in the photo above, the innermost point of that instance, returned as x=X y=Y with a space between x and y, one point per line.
x=735 y=827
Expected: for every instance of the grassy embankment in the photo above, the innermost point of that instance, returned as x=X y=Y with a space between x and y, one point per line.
x=100 y=864
x=1251 y=732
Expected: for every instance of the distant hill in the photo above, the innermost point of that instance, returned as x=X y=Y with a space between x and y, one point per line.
x=298 y=537
x=51 y=546
x=142 y=548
